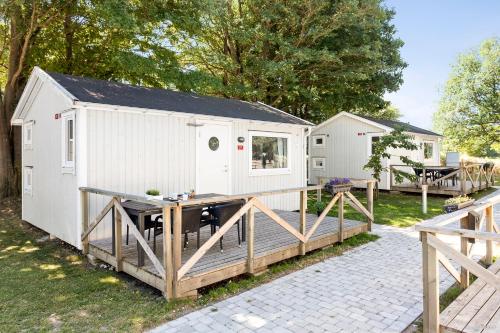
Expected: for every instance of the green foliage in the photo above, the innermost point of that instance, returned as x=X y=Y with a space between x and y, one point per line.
x=153 y=192
x=310 y=58
x=319 y=206
x=468 y=114
x=396 y=139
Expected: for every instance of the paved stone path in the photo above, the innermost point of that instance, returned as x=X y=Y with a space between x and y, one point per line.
x=373 y=288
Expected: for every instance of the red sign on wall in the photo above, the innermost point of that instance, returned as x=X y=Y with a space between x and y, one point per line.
x=240 y=147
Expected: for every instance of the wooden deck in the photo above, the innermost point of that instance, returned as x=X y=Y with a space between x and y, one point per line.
x=442 y=190
x=477 y=309
x=271 y=244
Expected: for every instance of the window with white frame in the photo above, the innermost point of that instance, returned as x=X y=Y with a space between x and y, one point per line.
x=319 y=141
x=269 y=153
x=68 y=141
x=28 y=135
x=428 y=150
x=318 y=163
x=373 y=140
x=28 y=180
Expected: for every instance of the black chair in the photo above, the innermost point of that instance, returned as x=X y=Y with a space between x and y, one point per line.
x=148 y=225
x=419 y=172
x=193 y=220
x=220 y=214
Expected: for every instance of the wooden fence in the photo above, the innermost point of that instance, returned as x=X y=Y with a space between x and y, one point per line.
x=470 y=177
x=173 y=280
x=435 y=252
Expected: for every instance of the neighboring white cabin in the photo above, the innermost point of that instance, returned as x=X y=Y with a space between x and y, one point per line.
x=341 y=146
x=70 y=143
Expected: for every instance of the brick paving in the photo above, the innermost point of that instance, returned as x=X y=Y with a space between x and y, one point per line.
x=373 y=288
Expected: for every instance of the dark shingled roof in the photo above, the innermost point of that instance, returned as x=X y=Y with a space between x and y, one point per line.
x=394 y=124
x=114 y=93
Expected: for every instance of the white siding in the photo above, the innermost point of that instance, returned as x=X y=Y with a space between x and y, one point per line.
x=347 y=150
x=53 y=205
x=131 y=152
x=244 y=183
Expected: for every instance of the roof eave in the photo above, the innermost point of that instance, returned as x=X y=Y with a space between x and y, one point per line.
x=83 y=104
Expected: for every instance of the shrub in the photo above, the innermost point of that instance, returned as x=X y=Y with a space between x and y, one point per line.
x=153 y=192
x=457 y=200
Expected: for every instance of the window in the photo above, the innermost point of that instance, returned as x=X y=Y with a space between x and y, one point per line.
x=319 y=141
x=428 y=150
x=28 y=135
x=28 y=180
x=68 y=137
x=374 y=139
x=318 y=163
x=270 y=153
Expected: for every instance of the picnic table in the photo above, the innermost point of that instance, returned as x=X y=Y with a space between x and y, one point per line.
x=142 y=213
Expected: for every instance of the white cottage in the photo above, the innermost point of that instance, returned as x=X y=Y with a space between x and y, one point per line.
x=341 y=146
x=82 y=132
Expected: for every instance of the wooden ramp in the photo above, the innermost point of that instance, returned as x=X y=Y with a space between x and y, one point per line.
x=477 y=309
x=271 y=245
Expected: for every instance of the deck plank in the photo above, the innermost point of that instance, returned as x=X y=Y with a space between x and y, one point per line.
x=474 y=308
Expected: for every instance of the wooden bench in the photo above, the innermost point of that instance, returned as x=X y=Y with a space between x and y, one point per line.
x=477 y=309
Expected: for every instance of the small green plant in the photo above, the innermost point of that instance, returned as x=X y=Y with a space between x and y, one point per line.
x=320 y=206
x=153 y=192
x=457 y=200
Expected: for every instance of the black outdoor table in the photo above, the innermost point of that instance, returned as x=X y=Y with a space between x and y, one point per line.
x=141 y=212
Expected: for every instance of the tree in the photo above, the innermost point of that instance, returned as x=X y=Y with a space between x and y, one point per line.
x=396 y=139
x=311 y=58
x=469 y=110
x=119 y=40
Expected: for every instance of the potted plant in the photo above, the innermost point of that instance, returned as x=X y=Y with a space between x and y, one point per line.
x=336 y=185
x=153 y=194
x=320 y=207
x=456 y=203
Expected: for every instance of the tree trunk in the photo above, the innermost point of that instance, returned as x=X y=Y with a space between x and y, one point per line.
x=68 y=37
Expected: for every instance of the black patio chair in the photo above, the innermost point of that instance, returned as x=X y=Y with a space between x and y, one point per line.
x=193 y=219
x=419 y=172
x=148 y=225
x=220 y=214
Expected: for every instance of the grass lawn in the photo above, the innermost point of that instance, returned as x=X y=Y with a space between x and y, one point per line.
x=50 y=286
x=399 y=210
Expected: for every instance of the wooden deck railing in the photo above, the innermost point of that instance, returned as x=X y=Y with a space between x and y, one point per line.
x=475 y=174
x=172 y=270
x=435 y=252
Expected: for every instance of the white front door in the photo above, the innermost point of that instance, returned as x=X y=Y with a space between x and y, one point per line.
x=213 y=159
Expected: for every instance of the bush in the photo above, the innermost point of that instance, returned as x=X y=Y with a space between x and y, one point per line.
x=153 y=192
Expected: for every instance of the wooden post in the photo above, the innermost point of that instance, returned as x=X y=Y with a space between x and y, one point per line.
x=480 y=176
x=465 y=249
x=424 y=176
x=177 y=248
x=318 y=195
x=303 y=221
x=84 y=203
x=369 y=199
x=489 y=228
x=430 y=275
x=391 y=174
x=167 y=253
x=250 y=240
x=424 y=198
x=341 y=217
x=118 y=239
x=463 y=181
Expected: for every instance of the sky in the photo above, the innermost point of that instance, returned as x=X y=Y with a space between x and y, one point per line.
x=435 y=33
